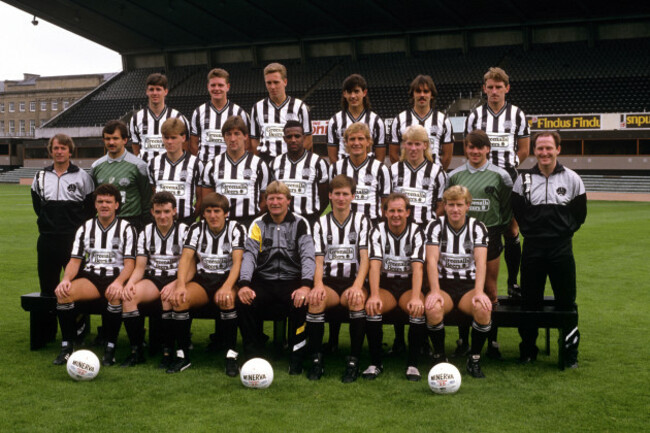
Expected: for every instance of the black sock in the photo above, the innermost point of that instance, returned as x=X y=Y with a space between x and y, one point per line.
x=417 y=333
x=112 y=323
x=375 y=334
x=134 y=325
x=297 y=335
x=479 y=335
x=437 y=337
x=315 y=332
x=512 y=255
x=463 y=333
x=67 y=315
x=228 y=327
x=335 y=328
x=492 y=335
x=182 y=329
x=357 y=332
x=167 y=328
x=399 y=333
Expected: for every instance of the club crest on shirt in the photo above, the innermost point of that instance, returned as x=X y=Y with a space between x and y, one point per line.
x=176 y=250
x=247 y=173
x=292 y=116
x=468 y=246
x=115 y=242
x=352 y=237
x=507 y=124
x=433 y=130
x=183 y=175
x=72 y=188
x=226 y=247
x=368 y=178
x=483 y=125
x=426 y=181
x=306 y=171
x=561 y=190
x=124 y=182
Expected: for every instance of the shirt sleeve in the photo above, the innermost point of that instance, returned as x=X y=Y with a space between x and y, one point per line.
x=331 y=132
x=142 y=243
x=307 y=256
x=249 y=262
x=195 y=127
x=376 y=251
x=448 y=132
x=396 y=134
x=133 y=130
x=306 y=118
x=255 y=126
x=130 y=242
x=380 y=133
x=384 y=181
x=418 y=246
x=319 y=243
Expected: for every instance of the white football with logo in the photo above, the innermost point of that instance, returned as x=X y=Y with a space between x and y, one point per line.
x=444 y=378
x=256 y=373
x=83 y=365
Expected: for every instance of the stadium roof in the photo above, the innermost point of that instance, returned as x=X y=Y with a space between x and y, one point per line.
x=147 y=26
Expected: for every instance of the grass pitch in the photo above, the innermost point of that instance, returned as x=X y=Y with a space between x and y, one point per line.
x=608 y=392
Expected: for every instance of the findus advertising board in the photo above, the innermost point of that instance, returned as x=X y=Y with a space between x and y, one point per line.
x=635 y=121
x=569 y=121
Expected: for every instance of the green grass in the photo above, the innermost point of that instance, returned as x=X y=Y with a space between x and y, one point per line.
x=608 y=392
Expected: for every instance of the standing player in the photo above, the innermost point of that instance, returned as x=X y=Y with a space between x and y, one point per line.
x=456 y=260
x=355 y=106
x=304 y=172
x=129 y=174
x=395 y=277
x=490 y=188
x=371 y=176
x=206 y=139
x=506 y=126
x=177 y=171
x=145 y=124
x=62 y=199
x=422 y=97
x=341 y=244
x=237 y=174
x=550 y=204
x=154 y=276
x=277 y=274
x=106 y=248
x=269 y=115
x=214 y=249
x=418 y=177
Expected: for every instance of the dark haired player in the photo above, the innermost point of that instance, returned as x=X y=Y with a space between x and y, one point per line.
x=105 y=246
x=159 y=250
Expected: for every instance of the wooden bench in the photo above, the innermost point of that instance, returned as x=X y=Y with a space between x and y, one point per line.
x=507 y=314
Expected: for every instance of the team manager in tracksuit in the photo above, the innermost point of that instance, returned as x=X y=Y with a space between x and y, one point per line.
x=277 y=274
x=550 y=205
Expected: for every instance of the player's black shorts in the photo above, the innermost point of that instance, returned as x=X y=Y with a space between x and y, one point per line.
x=159 y=281
x=513 y=173
x=456 y=289
x=210 y=282
x=495 y=243
x=98 y=281
x=339 y=285
x=396 y=286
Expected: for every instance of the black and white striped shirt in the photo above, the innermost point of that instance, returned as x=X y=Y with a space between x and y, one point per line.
x=241 y=181
x=302 y=177
x=397 y=252
x=180 y=178
x=503 y=128
x=340 y=244
x=207 y=122
x=423 y=186
x=268 y=119
x=456 y=259
x=340 y=121
x=373 y=183
x=437 y=124
x=144 y=128
x=214 y=250
x=103 y=250
x=162 y=252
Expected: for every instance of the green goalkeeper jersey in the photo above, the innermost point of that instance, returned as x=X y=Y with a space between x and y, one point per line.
x=490 y=187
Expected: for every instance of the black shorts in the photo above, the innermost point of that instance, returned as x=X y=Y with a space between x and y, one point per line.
x=101 y=283
x=396 y=286
x=495 y=243
x=339 y=285
x=456 y=289
x=159 y=281
x=513 y=173
x=210 y=282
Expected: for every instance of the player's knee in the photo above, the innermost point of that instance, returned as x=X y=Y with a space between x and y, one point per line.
x=435 y=314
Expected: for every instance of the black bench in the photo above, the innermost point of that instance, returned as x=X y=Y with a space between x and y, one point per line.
x=507 y=314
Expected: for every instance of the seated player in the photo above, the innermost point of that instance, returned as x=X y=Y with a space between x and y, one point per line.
x=106 y=246
x=341 y=245
x=456 y=268
x=214 y=247
x=396 y=270
x=159 y=250
x=277 y=274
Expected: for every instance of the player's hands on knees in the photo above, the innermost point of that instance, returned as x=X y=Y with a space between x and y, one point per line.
x=63 y=289
x=129 y=292
x=114 y=291
x=299 y=296
x=167 y=292
x=356 y=297
x=180 y=296
x=415 y=307
x=224 y=298
x=482 y=302
x=246 y=295
x=432 y=299
x=316 y=296
x=374 y=305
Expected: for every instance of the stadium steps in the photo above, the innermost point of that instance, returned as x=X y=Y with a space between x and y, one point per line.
x=609 y=183
x=14 y=176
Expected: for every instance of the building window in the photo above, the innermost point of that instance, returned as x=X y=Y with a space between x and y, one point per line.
x=66 y=104
x=12 y=126
x=2 y=127
x=32 y=126
x=55 y=105
x=22 y=126
x=32 y=106
x=21 y=107
x=43 y=105
x=2 y=107
x=12 y=107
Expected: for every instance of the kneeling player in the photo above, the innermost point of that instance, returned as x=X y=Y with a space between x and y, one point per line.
x=396 y=269
x=159 y=251
x=341 y=245
x=214 y=248
x=106 y=246
x=456 y=263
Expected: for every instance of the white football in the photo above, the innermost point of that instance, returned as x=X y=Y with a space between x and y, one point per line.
x=256 y=373
x=83 y=365
x=444 y=378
